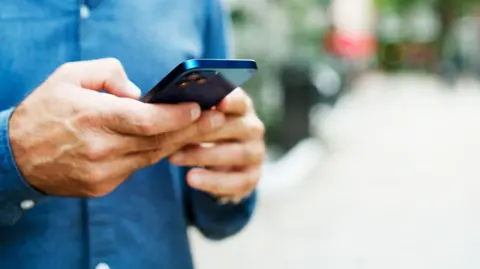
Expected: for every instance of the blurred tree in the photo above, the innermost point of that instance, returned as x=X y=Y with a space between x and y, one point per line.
x=446 y=10
x=276 y=33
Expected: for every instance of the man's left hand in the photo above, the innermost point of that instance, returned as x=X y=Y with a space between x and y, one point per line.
x=234 y=155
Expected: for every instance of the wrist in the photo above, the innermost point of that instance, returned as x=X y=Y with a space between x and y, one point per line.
x=13 y=187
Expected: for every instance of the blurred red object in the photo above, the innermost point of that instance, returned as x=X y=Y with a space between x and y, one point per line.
x=350 y=47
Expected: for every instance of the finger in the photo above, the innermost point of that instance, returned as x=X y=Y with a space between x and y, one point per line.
x=103 y=74
x=210 y=121
x=224 y=183
x=236 y=103
x=236 y=128
x=103 y=149
x=130 y=116
x=166 y=144
x=173 y=141
x=223 y=154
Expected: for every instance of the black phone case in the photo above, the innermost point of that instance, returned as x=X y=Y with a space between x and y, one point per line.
x=207 y=88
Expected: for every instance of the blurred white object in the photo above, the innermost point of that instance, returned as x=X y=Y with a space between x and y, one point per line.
x=354 y=17
x=400 y=190
x=327 y=81
x=292 y=168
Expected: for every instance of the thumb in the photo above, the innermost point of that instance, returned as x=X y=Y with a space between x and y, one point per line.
x=103 y=74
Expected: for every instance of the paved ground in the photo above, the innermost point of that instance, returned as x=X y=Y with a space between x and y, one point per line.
x=399 y=188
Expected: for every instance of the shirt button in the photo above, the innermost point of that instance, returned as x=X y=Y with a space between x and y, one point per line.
x=27 y=204
x=102 y=266
x=84 y=12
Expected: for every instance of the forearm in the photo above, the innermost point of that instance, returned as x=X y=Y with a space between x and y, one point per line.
x=16 y=195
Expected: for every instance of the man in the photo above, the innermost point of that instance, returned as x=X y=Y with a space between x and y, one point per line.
x=84 y=176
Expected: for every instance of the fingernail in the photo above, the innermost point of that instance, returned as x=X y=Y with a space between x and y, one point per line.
x=134 y=89
x=217 y=120
x=196 y=179
x=195 y=112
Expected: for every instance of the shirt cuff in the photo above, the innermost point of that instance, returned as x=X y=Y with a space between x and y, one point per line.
x=217 y=220
x=16 y=195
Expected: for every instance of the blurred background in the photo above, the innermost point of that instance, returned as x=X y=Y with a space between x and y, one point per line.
x=372 y=110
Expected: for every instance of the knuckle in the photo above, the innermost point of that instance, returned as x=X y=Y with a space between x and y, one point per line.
x=66 y=67
x=114 y=63
x=96 y=151
x=116 y=69
x=260 y=128
x=256 y=128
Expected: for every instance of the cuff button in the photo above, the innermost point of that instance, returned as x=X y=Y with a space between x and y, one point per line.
x=27 y=204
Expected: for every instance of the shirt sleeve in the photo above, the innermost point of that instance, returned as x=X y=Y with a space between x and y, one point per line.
x=214 y=220
x=217 y=35
x=16 y=195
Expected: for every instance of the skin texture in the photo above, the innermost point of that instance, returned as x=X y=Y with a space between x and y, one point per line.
x=68 y=139
x=232 y=159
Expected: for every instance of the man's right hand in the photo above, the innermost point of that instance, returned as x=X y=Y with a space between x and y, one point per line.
x=69 y=139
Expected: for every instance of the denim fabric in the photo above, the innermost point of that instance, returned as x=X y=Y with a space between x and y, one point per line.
x=143 y=224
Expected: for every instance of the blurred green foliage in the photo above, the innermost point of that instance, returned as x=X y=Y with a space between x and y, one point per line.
x=447 y=12
x=275 y=33
x=404 y=6
x=398 y=6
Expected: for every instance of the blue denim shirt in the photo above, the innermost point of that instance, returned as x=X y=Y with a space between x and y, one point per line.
x=143 y=224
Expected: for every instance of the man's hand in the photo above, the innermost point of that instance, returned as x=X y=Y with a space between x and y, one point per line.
x=68 y=139
x=233 y=162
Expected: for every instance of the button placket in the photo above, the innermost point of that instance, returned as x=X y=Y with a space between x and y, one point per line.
x=102 y=266
x=84 y=12
x=27 y=204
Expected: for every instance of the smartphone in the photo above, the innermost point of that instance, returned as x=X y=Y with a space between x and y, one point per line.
x=205 y=82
